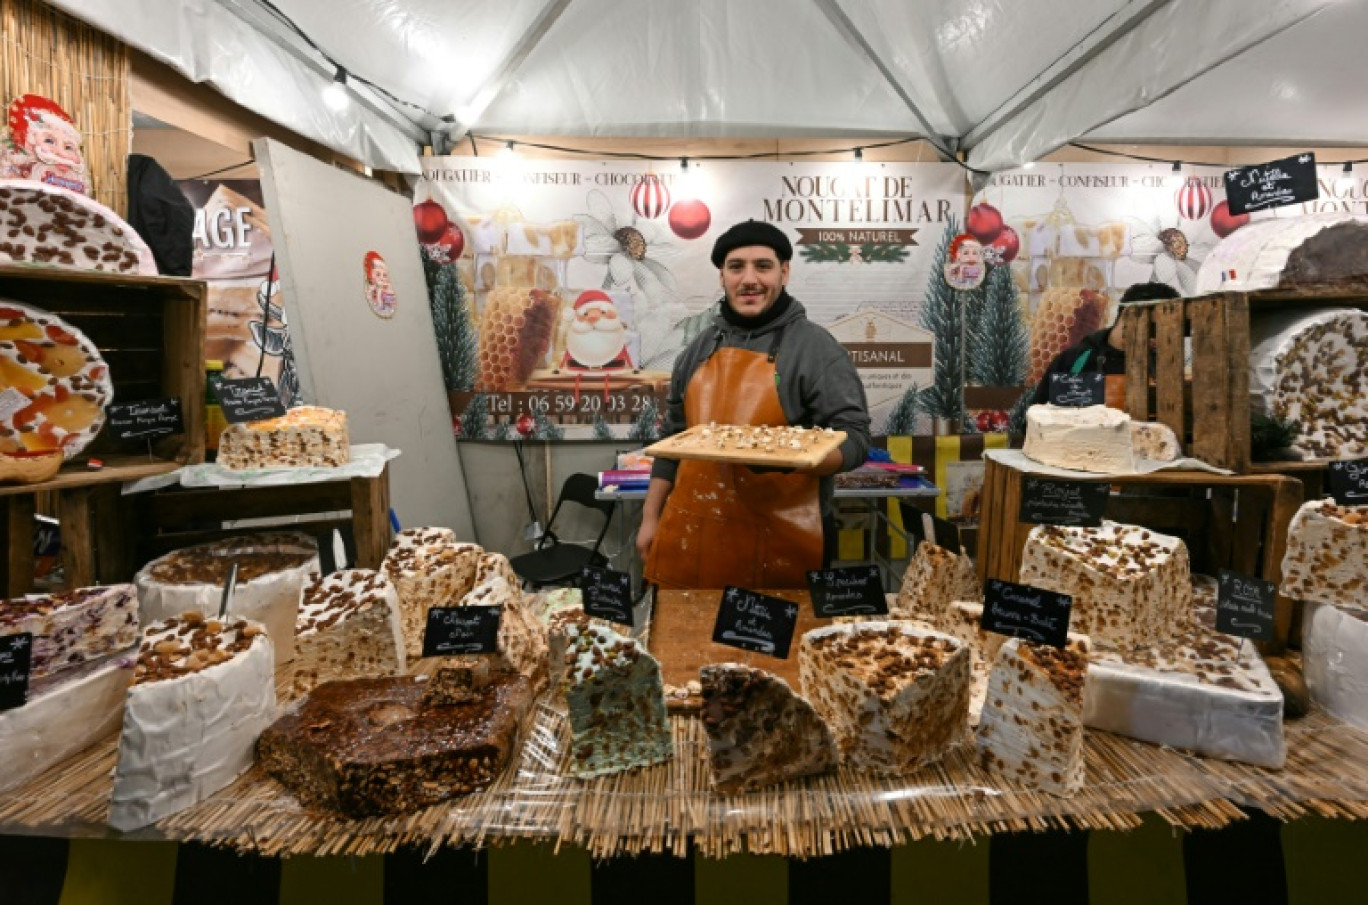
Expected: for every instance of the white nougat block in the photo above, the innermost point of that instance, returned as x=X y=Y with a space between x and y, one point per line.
x=935 y=578
x=895 y=693
x=72 y=628
x=1031 y=727
x=1090 y=438
x=1327 y=554
x=427 y=575
x=1130 y=586
x=64 y=719
x=522 y=636
x=274 y=568
x=348 y=628
x=187 y=736
x=1335 y=660
x=1204 y=692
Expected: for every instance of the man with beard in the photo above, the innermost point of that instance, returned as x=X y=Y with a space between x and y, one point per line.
x=708 y=524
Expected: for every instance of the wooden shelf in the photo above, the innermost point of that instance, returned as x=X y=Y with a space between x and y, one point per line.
x=117 y=469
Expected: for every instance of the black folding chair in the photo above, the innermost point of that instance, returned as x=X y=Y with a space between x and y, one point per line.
x=555 y=561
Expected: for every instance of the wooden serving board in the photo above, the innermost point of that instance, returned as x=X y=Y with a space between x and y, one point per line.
x=690 y=444
x=682 y=630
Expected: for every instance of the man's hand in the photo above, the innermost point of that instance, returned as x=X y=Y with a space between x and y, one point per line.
x=646 y=536
x=651 y=509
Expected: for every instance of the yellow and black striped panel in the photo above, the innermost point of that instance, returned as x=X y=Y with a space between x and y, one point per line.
x=1252 y=862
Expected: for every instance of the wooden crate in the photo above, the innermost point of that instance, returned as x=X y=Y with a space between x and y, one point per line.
x=176 y=517
x=1236 y=522
x=1209 y=410
x=150 y=331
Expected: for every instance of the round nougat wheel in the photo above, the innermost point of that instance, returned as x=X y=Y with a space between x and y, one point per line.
x=54 y=385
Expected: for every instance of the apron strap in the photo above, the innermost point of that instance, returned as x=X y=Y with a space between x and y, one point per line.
x=774 y=347
x=717 y=344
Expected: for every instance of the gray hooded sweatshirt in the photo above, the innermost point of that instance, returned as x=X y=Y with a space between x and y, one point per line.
x=818 y=384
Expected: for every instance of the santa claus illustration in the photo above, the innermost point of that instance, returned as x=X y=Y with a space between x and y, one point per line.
x=43 y=145
x=379 y=292
x=597 y=339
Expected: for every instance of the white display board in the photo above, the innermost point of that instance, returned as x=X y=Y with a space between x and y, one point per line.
x=373 y=357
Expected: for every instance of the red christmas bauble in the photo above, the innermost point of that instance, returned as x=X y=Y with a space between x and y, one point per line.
x=1223 y=222
x=430 y=220
x=452 y=241
x=1007 y=243
x=456 y=425
x=525 y=424
x=690 y=219
x=650 y=197
x=984 y=222
x=1193 y=199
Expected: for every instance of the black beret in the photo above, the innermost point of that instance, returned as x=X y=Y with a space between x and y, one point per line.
x=751 y=232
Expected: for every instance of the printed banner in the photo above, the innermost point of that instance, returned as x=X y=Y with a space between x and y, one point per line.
x=247 y=329
x=1087 y=231
x=577 y=283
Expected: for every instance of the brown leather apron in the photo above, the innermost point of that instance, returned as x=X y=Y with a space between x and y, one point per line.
x=723 y=524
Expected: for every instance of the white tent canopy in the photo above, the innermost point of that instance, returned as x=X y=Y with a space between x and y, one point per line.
x=1005 y=80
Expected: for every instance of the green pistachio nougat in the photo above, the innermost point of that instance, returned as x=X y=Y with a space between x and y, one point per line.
x=617 y=703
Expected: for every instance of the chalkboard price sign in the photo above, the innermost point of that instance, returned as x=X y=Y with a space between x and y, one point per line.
x=1349 y=482
x=1244 y=605
x=607 y=594
x=1047 y=501
x=1078 y=390
x=1026 y=612
x=16 y=652
x=755 y=622
x=251 y=399
x=1291 y=180
x=856 y=591
x=455 y=630
x=146 y=419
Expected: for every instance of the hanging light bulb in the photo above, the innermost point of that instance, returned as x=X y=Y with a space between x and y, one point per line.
x=1345 y=183
x=685 y=178
x=1175 y=176
x=859 y=155
x=508 y=153
x=1030 y=164
x=335 y=96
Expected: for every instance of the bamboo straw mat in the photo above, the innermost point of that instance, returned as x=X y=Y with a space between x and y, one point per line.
x=662 y=808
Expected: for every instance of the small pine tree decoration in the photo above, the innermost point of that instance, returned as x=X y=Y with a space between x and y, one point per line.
x=475 y=418
x=902 y=421
x=943 y=316
x=644 y=429
x=543 y=428
x=503 y=431
x=1016 y=418
x=601 y=429
x=998 y=348
x=457 y=341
